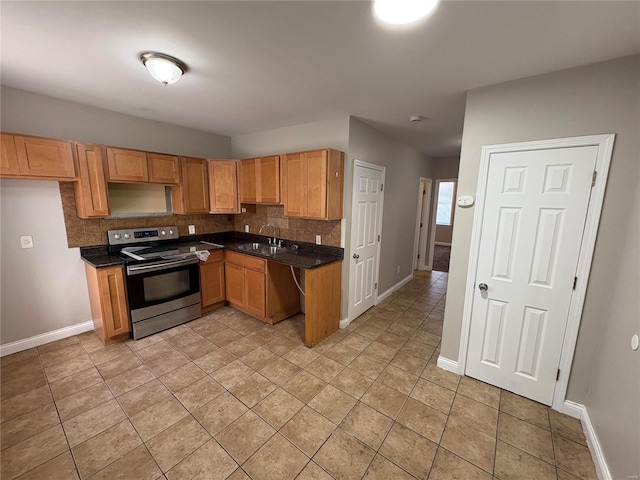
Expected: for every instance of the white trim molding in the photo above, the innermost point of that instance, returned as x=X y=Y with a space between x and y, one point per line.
x=603 y=160
x=37 y=340
x=397 y=286
x=448 y=365
x=580 y=412
x=344 y=323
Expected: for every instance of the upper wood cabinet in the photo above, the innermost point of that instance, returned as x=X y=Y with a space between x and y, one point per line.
x=259 y=180
x=312 y=184
x=8 y=156
x=223 y=186
x=192 y=194
x=133 y=166
x=91 y=187
x=126 y=165
x=35 y=157
x=164 y=169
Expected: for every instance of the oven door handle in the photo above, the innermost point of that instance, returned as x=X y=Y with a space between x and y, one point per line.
x=138 y=269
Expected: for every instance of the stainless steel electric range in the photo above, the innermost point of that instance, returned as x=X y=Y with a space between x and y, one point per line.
x=162 y=277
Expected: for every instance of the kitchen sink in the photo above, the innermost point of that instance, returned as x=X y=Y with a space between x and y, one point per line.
x=262 y=248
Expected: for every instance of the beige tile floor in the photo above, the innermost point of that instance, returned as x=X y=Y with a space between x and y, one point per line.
x=226 y=396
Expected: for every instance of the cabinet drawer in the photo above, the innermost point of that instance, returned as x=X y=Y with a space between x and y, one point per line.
x=215 y=256
x=246 y=261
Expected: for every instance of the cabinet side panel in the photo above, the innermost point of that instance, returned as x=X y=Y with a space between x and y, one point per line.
x=322 y=302
x=335 y=185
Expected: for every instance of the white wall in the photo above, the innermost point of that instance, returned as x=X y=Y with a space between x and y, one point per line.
x=594 y=99
x=332 y=133
x=44 y=289
x=404 y=167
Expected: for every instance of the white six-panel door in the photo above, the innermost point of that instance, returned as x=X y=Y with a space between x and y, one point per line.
x=532 y=228
x=366 y=218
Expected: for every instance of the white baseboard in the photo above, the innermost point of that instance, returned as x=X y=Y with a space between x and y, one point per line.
x=37 y=340
x=397 y=286
x=344 y=323
x=448 y=365
x=442 y=244
x=579 y=411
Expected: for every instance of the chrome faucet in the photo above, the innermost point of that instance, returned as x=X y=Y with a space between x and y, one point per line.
x=273 y=240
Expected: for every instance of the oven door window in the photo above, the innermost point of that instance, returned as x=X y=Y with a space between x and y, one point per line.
x=162 y=286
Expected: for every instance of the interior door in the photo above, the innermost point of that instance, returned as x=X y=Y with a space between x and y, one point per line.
x=365 y=237
x=534 y=215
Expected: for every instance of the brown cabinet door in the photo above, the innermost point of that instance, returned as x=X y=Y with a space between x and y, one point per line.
x=268 y=178
x=293 y=185
x=255 y=292
x=247 y=184
x=212 y=283
x=234 y=284
x=315 y=182
x=8 y=156
x=126 y=165
x=192 y=194
x=163 y=169
x=91 y=187
x=42 y=157
x=223 y=186
x=114 y=302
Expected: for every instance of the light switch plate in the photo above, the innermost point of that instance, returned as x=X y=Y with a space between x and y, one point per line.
x=318 y=240
x=246 y=228
x=192 y=229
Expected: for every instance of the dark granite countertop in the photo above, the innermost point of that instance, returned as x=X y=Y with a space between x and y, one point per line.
x=307 y=255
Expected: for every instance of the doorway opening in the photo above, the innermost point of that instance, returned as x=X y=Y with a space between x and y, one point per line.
x=442 y=224
x=421 y=250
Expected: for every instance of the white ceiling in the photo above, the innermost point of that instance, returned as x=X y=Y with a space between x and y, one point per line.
x=256 y=66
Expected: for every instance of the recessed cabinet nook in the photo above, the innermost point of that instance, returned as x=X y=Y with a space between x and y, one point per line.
x=308 y=184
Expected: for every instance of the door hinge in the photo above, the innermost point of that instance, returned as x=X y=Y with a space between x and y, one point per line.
x=378 y=237
x=418 y=255
x=381 y=187
x=593 y=178
x=420 y=224
x=376 y=285
x=558 y=375
x=424 y=192
x=575 y=281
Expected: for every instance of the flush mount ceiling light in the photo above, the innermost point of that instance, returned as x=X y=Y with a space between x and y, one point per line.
x=401 y=12
x=164 y=68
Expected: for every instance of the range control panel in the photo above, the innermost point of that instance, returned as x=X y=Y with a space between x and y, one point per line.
x=139 y=235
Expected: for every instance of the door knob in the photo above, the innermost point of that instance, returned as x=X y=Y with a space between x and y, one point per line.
x=483 y=287
x=356 y=256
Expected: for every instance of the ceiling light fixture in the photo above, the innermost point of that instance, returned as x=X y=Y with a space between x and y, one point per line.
x=164 y=68
x=401 y=12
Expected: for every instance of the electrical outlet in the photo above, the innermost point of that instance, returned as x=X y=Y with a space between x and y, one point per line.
x=398 y=269
x=26 y=241
x=192 y=229
x=318 y=240
x=246 y=228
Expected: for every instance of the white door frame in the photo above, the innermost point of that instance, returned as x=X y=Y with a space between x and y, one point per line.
x=373 y=166
x=603 y=160
x=422 y=215
x=432 y=240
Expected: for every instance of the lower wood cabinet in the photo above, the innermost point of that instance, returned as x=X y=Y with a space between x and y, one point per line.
x=212 y=281
x=107 y=295
x=260 y=288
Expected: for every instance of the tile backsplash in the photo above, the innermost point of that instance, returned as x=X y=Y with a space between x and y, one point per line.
x=84 y=232
x=289 y=228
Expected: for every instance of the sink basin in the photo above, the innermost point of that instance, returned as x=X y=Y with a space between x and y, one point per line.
x=262 y=248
